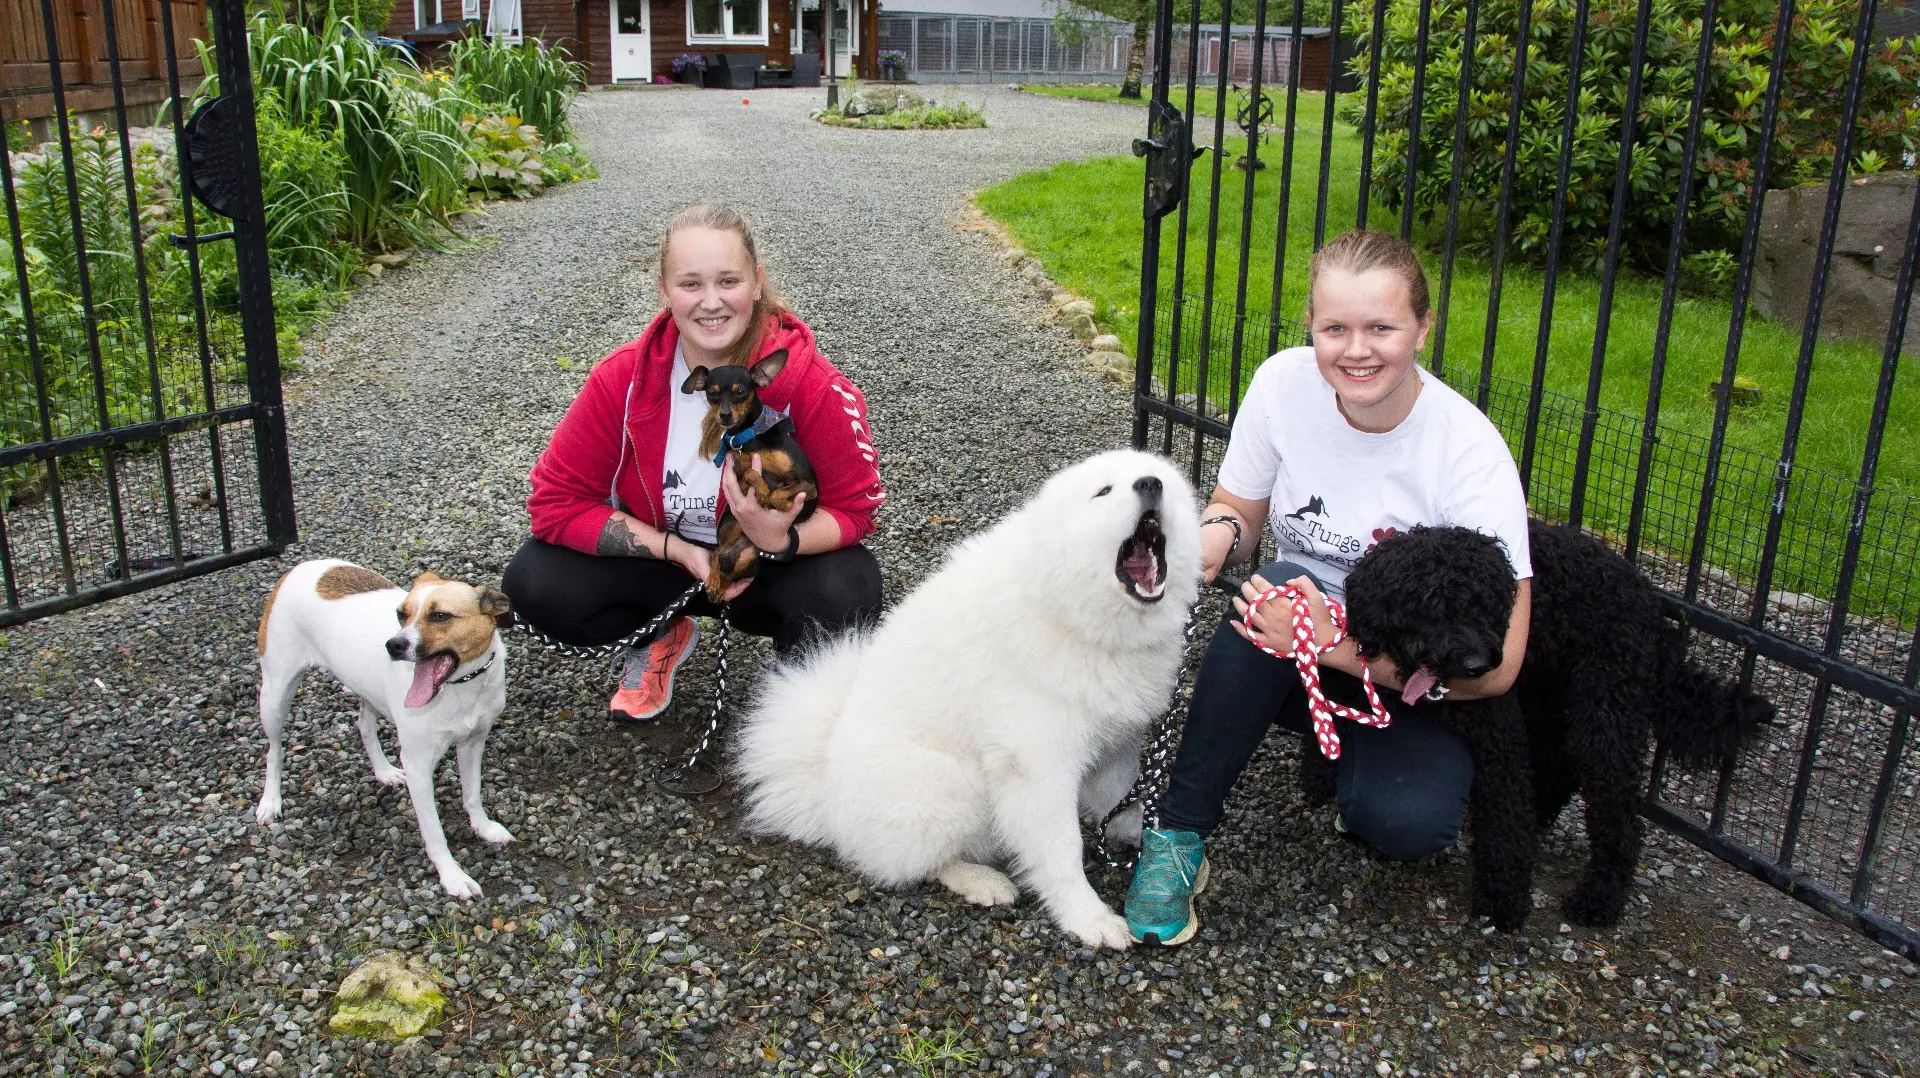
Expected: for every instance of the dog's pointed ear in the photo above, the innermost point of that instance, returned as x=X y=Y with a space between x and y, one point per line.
x=769 y=367
x=696 y=381
x=428 y=576
x=494 y=603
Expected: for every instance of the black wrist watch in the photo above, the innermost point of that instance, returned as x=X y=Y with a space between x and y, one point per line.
x=793 y=547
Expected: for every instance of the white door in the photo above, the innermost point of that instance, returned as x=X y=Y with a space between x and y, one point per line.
x=632 y=44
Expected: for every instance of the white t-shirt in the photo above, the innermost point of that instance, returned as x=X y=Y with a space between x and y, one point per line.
x=1334 y=491
x=690 y=488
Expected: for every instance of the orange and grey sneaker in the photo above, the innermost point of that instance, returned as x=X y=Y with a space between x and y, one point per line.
x=646 y=681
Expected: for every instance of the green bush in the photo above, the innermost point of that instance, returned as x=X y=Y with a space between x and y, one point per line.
x=358 y=148
x=303 y=184
x=399 y=128
x=923 y=117
x=1804 y=141
x=132 y=385
x=564 y=163
x=506 y=157
x=529 y=80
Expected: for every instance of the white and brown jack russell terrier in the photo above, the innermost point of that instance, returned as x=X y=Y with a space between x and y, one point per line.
x=430 y=658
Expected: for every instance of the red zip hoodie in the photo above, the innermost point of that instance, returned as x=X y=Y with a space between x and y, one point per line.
x=574 y=480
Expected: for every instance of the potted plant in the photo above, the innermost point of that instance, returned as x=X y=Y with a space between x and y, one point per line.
x=690 y=67
x=893 y=65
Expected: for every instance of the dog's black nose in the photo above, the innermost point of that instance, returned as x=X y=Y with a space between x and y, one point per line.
x=1476 y=665
x=1149 y=487
x=397 y=648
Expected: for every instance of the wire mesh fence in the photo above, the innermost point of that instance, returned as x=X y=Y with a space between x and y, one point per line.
x=963 y=48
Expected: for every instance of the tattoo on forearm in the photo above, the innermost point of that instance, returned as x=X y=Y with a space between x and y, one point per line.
x=619 y=541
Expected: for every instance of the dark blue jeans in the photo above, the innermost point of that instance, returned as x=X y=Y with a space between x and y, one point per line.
x=1402 y=788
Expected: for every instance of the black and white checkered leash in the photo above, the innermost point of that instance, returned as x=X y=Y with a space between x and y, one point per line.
x=690 y=778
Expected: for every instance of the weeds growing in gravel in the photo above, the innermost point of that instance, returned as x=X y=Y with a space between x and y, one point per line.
x=151 y=1050
x=446 y=932
x=928 y=1053
x=67 y=947
x=851 y=1061
x=233 y=946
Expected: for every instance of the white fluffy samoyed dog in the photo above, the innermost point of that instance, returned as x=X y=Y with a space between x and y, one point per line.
x=999 y=703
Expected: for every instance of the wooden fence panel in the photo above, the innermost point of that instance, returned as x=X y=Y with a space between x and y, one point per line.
x=80 y=34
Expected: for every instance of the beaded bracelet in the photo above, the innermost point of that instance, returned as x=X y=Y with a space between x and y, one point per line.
x=1232 y=522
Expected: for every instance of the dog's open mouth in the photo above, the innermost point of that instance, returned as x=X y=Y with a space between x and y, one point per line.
x=428 y=675
x=1142 y=563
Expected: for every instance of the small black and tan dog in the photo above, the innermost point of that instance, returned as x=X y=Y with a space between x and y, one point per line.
x=737 y=421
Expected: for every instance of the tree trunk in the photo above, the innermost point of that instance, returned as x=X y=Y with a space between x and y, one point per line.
x=1137 y=54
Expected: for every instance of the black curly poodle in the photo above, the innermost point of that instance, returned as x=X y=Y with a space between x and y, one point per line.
x=1605 y=669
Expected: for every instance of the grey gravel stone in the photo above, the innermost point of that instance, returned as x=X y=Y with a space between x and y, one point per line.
x=632 y=932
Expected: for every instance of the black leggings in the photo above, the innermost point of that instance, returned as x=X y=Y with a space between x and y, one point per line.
x=589 y=600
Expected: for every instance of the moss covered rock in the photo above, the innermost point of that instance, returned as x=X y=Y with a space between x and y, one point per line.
x=389 y=997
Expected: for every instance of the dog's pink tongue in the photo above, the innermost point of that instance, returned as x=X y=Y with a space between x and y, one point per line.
x=1419 y=684
x=1141 y=567
x=427 y=676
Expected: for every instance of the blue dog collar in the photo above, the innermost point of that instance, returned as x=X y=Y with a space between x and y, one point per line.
x=768 y=419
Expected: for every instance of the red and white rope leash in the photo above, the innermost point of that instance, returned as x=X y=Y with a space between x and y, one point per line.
x=1306 y=656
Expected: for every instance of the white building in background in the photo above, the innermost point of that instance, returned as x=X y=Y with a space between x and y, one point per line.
x=1003 y=41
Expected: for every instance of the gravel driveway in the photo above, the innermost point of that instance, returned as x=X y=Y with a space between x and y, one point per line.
x=146 y=923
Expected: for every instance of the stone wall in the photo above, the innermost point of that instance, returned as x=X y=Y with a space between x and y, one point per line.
x=1866 y=258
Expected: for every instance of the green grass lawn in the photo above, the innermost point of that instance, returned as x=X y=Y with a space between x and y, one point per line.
x=1309 y=105
x=1083 y=220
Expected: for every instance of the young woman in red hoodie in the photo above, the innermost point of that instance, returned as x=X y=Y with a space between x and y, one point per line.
x=624 y=504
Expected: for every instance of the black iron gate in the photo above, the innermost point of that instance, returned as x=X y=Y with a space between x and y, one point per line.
x=137 y=338
x=1799 y=579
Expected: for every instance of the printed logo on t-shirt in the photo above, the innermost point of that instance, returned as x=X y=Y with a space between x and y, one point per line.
x=697 y=511
x=1316 y=538
x=672 y=481
x=1314 y=507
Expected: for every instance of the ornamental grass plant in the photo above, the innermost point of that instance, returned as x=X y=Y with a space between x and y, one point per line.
x=536 y=82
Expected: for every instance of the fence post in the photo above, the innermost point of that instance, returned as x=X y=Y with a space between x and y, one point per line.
x=255 y=278
x=156 y=44
x=86 y=45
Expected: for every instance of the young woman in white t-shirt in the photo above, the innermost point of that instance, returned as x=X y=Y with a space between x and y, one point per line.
x=1336 y=446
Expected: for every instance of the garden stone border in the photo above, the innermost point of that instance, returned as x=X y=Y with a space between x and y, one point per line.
x=1106 y=356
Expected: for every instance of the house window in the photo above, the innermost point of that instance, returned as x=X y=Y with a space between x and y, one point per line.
x=503 y=20
x=733 y=21
x=425 y=13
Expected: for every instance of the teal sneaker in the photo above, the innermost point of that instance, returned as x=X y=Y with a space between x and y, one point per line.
x=1171 y=870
